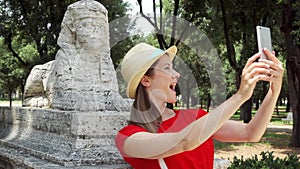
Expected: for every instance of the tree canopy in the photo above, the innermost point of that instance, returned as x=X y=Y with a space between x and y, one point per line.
x=29 y=31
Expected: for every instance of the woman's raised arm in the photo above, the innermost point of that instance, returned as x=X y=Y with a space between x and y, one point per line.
x=254 y=130
x=159 y=145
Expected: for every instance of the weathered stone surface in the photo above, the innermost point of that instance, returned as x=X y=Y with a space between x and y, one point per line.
x=80 y=88
x=36 y=93
x=220 y=163
x=82 y=76
x=18 y=159
x=63 y=138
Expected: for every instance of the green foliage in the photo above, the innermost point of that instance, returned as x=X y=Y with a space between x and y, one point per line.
x=116 y=8
x=266 y=161
x=11 y=75
x=38 y=23
x=29 y=31
x=241 y=18
x=194 y=80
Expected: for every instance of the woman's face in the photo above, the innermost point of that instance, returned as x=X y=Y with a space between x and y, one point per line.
x=163 y=81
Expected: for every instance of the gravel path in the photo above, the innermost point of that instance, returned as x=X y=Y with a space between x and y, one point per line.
x=278 y=146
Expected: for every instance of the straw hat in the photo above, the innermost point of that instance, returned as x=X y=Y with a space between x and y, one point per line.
x=137 y=61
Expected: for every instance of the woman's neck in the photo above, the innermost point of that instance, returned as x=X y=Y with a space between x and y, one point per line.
x=167 y=114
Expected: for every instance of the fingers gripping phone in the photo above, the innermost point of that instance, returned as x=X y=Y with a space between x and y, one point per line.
x=263 y=40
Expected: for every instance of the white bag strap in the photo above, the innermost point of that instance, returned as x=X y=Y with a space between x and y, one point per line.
x=162 y=163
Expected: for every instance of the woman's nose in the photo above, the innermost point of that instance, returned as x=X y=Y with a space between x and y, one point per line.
x=176 y=74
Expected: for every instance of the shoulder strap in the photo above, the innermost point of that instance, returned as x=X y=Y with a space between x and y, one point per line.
x=162 y=163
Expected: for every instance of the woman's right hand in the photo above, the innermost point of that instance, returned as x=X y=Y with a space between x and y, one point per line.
x=252 y=73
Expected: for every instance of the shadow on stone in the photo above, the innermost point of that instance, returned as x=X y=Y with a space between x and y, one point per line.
x=6 y=163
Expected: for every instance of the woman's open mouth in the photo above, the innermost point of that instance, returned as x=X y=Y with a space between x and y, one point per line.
x=172 y=86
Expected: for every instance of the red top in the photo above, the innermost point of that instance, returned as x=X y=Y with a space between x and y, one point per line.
x=201 y=157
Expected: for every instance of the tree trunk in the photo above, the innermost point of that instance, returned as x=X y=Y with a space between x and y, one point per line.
x=277 y=109
x=293 y=68
x=294 y=87
x=10 y=97
x=257 y=104
x=201 y=103
x=188 y=95
x=288 y=105
x=245 y=109
x=208 y=102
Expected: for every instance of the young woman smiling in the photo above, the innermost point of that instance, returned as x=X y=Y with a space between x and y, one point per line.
x=158 y=137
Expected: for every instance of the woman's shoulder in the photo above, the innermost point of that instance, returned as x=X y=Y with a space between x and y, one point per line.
x=125 y=132
x=195 y=112
x=131 y=129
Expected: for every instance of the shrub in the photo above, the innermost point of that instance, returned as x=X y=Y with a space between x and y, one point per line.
x=267 y=161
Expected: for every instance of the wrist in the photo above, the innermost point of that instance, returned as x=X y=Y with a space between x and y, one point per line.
x=274 y=93
x=275 y=89
x=242 y=96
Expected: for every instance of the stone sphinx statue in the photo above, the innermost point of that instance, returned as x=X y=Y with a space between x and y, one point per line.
x=82 y=76
x=35 y=94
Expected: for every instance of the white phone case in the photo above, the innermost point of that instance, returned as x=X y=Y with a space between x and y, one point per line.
x=263 y=39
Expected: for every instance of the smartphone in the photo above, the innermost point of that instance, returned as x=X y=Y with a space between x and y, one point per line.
x=263 y=40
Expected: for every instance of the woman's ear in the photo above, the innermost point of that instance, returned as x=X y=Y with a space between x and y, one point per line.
x=145 y=81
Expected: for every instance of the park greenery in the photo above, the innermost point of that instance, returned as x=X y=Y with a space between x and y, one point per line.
x=29 y=31
x=266 y=160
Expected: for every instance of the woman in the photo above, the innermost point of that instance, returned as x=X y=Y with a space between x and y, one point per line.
x=158 y=137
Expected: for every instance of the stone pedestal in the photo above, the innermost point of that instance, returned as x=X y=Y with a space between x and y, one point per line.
x=44 y=138
x=53 y=139
x=80 y=88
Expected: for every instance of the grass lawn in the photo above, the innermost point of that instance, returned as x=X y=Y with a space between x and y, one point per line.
x=275 y=139
x=276 y=118
x=14 y=103
x=279 y=142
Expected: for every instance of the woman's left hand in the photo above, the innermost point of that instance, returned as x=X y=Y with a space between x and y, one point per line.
x=276 y=70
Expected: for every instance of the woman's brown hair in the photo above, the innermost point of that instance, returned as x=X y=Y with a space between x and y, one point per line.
x=143 y=112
